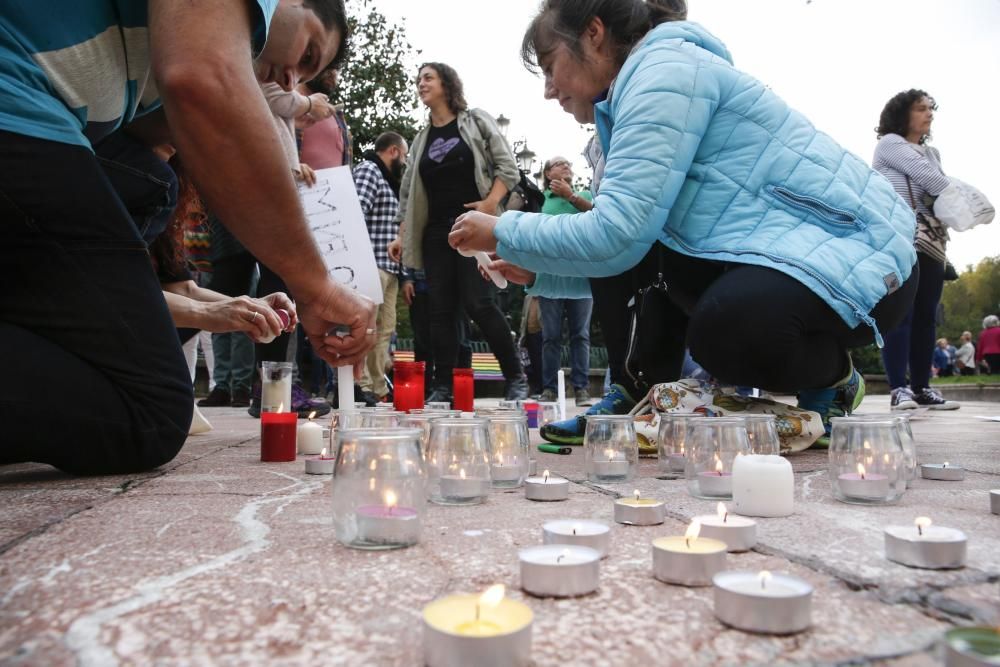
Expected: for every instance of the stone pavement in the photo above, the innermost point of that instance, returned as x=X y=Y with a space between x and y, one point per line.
x=219 y=559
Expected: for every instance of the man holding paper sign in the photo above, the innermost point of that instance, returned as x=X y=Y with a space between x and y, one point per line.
x=81 y=306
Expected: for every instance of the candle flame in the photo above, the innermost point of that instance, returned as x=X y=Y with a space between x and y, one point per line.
x=764 y=577
x=371 y=484
x=492 y=596
x=861 y=471
x=312 y=415
x=322 y=454
x=922 y=522
x=461 y=473
x=867 y=445
x=721 y=510
x=609 y=454
x=636 y=494
x=545 y=477
x=373 y=464
x=281 y=407
x=718 y=465
x=692 y=532
x=886 y=459
x=390 y=498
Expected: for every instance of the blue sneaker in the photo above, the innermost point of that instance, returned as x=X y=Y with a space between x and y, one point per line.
x=837 y=401
x=570 y=431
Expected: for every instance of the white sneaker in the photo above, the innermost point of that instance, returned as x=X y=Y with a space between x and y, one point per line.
x=903 y=399
x=930 y=398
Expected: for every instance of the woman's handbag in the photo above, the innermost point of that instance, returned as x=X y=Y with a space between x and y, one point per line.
x=961 y=206
x=932 y=236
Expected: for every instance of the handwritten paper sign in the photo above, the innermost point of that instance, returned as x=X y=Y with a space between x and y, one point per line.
x=338 y=225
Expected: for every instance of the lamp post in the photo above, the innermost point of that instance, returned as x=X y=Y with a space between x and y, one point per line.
x=525 y=156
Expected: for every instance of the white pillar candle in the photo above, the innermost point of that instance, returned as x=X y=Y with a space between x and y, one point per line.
x=637 y=511
x=763 y=486
x=995 y=501
x=546 y=488
x=738 y=532
x=276 y=395
x=689 y=560
x=942 y=471
x=561 y=388
x=926 y=546
x=345 y=387
x=309 y=436
x=483 y=630
x=593 y=534
x=763 y=602
x=560 y=570
x=321 y=465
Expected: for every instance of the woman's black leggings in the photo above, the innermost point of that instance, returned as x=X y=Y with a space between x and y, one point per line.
x=746 y=325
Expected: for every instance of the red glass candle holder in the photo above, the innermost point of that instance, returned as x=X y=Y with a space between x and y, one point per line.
x=277 y=436
x=463 y=393
x=408 y=385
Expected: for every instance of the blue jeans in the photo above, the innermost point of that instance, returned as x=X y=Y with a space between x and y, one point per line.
x=82 y=309
x=577 y=312
x=911 y=344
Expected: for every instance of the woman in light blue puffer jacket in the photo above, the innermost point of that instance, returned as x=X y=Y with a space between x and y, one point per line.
x=780 y=249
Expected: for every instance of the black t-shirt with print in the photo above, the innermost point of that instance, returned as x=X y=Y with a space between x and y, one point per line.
x=447 y=169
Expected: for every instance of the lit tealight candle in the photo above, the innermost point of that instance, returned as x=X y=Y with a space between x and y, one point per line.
x=593 y=534
x=864 y=485
x=738 y=532
x=388 y=525
x=925 y=545
x=507 y=473
x=637 y=511
x=942 y=471
x=559 y=570
x=488 y=629
x=321 y=465
x=546 y=488
x=462 y=488
x=689 y=560
x=972 y=647
x=310 y=436
x=716 y=483
x=763 y=602
x=613 y=466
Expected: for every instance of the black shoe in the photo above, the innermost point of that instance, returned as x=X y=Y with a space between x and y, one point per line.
x=440 y=394
x=217 y=398
x=241 y=398
x=254 y=409
x=516 y=389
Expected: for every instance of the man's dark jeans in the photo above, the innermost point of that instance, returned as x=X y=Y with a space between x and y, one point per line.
x=96 y=380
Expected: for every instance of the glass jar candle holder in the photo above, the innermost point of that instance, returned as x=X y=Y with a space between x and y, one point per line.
x=611 y=449
x=762 y=434
x=867 y=462
x=547 y=413
x=714 y=444
x=438 y=405
x=345 y=420
x=420 y=421
x=508 y=449
x=383 y=419
x=902 y=422
x=672 y=440
x=379 y=489
x=458 y=461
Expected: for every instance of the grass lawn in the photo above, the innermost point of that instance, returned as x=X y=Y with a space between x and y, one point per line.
x=968 y=379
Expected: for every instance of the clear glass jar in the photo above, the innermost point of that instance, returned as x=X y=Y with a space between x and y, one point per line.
x=379 y=488
x=611 y=449
x=438 y=405
x=714 y=444
x=902 y=422
x=509 y=443
x=867 y=461
x=672 y=440
x=345 y=420
x=383 y=418
x=458 y=461
x=762 y=434
x=547 y=413
x=421 y=421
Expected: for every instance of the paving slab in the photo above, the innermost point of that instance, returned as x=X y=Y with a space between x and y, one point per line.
x=220 y=559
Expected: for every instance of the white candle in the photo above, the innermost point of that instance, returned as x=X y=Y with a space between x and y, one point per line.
x=763 y=486
x=561 y=387
x=689 y=560
x=926 y=546
x=863 y=484
x=321 y=465
x=388 y=524
x=614 y=465
x=276 y=395
x=487 y=631
x=560 y=570
x=637 y=511
x=463 y=487
x=995 y=501
x=345 y=388
x=738 y=532
x=715 y=484
x=546 y=488
x=309 y=435
x=593 y=534
x=763 y=602
x=507 y=474
x=942 y=472
x=676 y=462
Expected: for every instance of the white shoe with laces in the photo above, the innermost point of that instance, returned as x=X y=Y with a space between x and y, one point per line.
x=903 y=399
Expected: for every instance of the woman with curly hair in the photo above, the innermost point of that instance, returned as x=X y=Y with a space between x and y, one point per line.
x=914 y=169
x=459 y=161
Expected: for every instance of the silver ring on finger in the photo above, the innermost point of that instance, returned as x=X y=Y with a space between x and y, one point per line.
x=254 y=318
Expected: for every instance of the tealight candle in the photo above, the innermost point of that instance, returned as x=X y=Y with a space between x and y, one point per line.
x=638 y=511
x=738 y=532
x=310 y=436
x=506 y=473
x=942 y=472
x=763 y=485
x=613 y=465
x=559 y=570
x=388 y=524
x=593 y=534
x=995 y=501
x=462 y=487
x=321 y=465
x=776 y=604
x=926 y=546
x=546 y=488
x=863 y=484
x=716 y=482
x=972 y=647
x=677 y=461
x=690 y=560
x=486 y=630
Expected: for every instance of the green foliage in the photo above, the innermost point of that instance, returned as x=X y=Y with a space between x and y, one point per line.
x=969 y=299
x=868 y=360
x=968 y=379
x=376 y=84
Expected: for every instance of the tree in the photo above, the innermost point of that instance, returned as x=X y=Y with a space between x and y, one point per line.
x=969 y=299
x=376 y=84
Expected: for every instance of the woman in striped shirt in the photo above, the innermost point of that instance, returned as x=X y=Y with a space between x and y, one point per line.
x=914 y=169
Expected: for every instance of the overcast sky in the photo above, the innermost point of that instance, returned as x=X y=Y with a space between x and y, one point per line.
x=837 y=61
